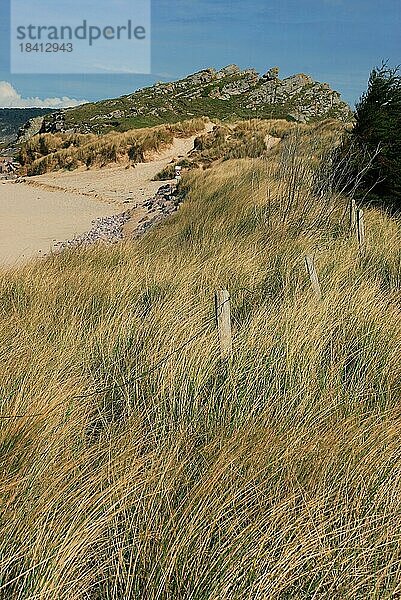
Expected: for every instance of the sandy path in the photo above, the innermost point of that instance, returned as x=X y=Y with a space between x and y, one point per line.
x=119 y=184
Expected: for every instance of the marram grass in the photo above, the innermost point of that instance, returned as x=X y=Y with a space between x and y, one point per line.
x=52 y=152
x=276 y=476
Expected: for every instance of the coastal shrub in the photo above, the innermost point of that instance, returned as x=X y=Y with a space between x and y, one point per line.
x=44 y=144
x=169 y=172
x=377 y=129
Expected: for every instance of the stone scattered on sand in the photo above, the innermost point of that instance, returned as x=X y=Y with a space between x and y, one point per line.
x=111 y=229
x=161 y=206
x=105 y=229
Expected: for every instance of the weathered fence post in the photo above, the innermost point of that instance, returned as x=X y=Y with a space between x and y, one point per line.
x=310 y=267
x=223 y=318
x=361 y=230
x=352 y=214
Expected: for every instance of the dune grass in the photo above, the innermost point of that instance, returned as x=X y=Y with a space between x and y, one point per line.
x=51 y=152
x=252 y=139
x=145 y=472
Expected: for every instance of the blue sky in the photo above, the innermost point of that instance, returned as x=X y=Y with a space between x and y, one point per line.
x=337 y=41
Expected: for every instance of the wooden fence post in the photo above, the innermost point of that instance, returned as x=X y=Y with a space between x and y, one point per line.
x=361 y=230
x=352 y=214
x=310 y=267
x=223 y=318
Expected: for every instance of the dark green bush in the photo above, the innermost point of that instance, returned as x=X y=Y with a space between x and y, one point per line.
x=378 y=130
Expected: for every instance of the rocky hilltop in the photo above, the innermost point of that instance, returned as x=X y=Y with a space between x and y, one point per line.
x=225 y=94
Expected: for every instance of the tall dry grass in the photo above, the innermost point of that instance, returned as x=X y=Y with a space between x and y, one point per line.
x=257 y=138
x=275 y=476
x=51 y=152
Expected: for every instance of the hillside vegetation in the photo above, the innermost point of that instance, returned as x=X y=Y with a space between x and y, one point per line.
x=135 y=464
x=11 y=119
x=255 y=138
x=228 y=95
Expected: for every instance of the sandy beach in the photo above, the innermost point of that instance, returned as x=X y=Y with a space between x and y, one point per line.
x=32 y=220
x=51 y=208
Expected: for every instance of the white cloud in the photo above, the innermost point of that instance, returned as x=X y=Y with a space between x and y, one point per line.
x=123 y=69
x=10 y=98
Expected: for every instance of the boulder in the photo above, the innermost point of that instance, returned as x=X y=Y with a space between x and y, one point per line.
x=228 y=71
x=272 y=74
x=31 y=128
